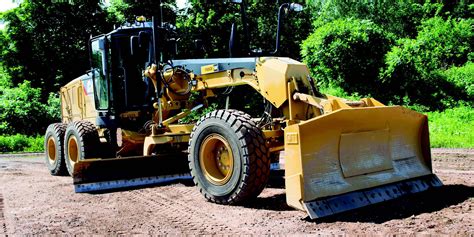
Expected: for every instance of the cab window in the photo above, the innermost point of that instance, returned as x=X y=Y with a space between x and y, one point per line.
x=99 y=71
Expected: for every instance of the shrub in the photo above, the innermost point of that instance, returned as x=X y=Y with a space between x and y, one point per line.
x=462 y=78
x=36 y=144
x=347 y=54
x=53 y=111
x=21 y=143
x=452 y=128
x=21 y=110
x=443 y=43
x=413 y=73
x=398 y=17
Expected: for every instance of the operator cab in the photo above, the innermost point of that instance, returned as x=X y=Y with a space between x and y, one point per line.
x=117 y=61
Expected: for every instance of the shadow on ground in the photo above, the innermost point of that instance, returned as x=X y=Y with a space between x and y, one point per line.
x=274 y=203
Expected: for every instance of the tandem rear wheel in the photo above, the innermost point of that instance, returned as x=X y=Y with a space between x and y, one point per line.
x=81 y=141
x=54 y=149
x=228 y=158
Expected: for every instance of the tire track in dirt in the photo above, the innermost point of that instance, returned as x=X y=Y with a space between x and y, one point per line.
x=452 y=171
x=189 y=192
x=3 y=226
x=190 y=219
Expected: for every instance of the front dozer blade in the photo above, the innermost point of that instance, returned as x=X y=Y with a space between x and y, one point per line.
x=95 y=175
x=356 y=157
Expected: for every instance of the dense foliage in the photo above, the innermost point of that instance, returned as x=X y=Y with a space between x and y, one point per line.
x=209 y=23
x=401 y=18
x=416 y=67
x=462 y=78
x=362 y=54
x=123 y=11
x=21 y=143
x=22 y=112
x=46 y=43
x=198 y=27
x=337 y=54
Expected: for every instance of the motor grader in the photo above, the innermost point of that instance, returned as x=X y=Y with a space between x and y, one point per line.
x=122 y=126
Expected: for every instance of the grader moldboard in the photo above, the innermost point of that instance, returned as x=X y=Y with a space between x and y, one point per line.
x=121 y=128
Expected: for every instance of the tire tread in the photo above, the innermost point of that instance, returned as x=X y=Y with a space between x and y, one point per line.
x=255 y=160
x=58 y=130
x=88 y=140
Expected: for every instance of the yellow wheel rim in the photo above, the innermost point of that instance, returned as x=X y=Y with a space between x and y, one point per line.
x=51 y=144
x=73 y=150
x=216 y=159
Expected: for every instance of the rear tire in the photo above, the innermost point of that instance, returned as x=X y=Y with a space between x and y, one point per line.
x=228 y=158
x=81 y=141
x=54 y=149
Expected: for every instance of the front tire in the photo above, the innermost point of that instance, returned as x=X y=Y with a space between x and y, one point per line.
x=228 y=158
x=54 y=149
x=81 y=141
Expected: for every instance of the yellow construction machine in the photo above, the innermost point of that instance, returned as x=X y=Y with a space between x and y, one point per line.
x=122 y=126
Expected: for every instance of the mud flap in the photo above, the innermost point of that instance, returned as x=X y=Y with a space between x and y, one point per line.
x=95 y=175
x=331 y=158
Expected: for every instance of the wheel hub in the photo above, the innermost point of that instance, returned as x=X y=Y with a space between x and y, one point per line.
x=51 y=150
x=216 y=159
x=73 y=150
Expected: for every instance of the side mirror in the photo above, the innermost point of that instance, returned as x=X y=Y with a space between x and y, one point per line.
x=296 y=7
x=284 y=8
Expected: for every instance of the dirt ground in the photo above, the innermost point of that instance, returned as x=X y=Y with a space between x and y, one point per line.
x=34 y=202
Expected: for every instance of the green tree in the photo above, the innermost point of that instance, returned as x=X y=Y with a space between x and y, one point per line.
x=211 y=22
x=204 y=28
x=122 y=11
x=399 y=17
x=46 y=41
x=22 y=112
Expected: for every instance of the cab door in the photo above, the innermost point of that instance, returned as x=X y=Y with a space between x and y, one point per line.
x=100 y=61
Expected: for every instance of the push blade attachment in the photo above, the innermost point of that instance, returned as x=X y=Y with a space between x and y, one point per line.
x=108 y=174
x=331 y=158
